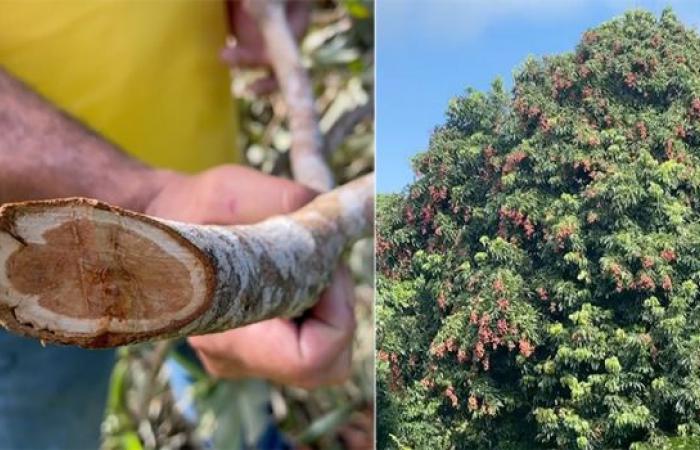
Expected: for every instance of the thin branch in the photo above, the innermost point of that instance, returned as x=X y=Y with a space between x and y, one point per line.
x=306 y=154
x=343 y=127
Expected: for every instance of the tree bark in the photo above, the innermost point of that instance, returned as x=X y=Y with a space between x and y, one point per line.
x=81 y=272
x=308 y=161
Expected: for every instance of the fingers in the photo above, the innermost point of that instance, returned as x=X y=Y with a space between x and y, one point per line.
x=242 y=195
x=256 y=196
x=325 y=337
x=240 y=56
x=314 y=353
x=228 y=195
x=249 y=48
x=301 y=375
x=335 y=372
x=324 y=353
x=331 y=322
x=299 y=17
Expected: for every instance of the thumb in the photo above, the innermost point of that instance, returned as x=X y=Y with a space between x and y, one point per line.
x=242 y=195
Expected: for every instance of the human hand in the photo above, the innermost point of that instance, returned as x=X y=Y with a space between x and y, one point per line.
x=226 y=195
x=306 y=352
x=310 y=352
x=247 y=50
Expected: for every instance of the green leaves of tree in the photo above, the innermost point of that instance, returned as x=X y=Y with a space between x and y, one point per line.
x=538 y=282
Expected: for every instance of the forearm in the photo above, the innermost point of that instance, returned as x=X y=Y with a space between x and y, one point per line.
x=44 y=153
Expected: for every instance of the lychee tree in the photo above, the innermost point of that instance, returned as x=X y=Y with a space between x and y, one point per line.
x=538 y=282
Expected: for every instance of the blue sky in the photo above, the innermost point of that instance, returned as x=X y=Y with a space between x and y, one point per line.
x=429 y=51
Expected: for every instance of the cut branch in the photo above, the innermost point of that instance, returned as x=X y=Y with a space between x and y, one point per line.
x=306 y=154
x=81 y=272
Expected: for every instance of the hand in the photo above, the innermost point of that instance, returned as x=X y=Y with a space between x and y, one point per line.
x=308 y=352
x=248 y=49
x=226 y=195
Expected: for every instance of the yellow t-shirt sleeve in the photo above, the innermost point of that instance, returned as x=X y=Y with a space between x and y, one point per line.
x=145 y=74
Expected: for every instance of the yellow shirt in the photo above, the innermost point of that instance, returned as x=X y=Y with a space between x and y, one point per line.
x=144 y=74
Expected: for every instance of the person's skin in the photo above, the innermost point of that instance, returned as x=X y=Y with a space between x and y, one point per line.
x=306 y=353
x=248 y=49
x=46 y=154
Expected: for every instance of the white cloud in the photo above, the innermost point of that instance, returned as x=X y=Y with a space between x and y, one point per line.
x=468 y=19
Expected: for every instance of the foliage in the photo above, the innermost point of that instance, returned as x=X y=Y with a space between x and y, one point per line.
x=538 y=282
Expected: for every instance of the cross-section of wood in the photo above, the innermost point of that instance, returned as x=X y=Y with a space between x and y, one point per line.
x=81 y=272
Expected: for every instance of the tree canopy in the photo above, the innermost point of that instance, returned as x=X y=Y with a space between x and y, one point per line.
x=538 y=282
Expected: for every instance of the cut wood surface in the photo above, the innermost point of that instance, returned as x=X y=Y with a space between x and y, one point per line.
x=78 y=271
x=81 y=272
